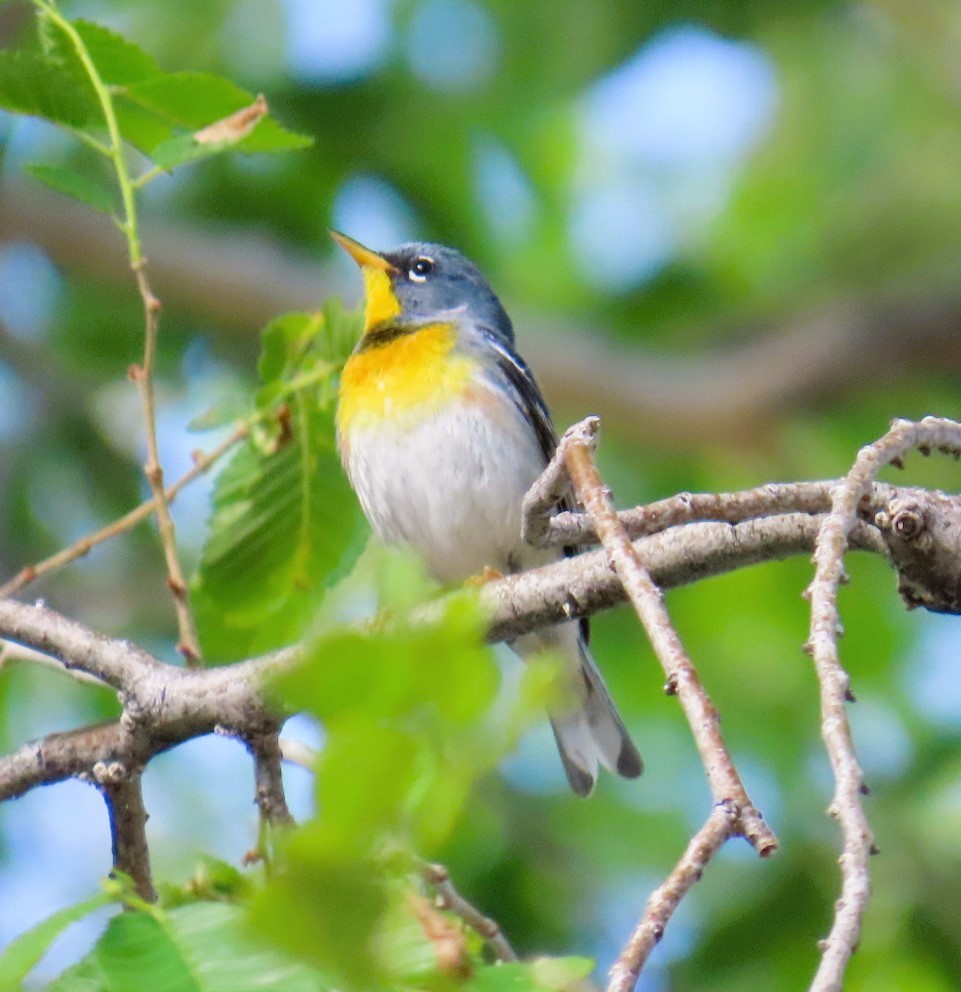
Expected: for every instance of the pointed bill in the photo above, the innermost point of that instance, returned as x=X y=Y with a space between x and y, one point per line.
x=365 y=257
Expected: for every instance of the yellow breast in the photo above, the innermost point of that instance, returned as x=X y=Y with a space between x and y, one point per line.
x=402 y=379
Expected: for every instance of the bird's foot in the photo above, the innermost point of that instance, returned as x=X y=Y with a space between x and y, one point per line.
x=485 y=575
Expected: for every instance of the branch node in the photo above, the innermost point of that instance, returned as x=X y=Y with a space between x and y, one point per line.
x=176 y=586
x=109 y=772
x=154 y=474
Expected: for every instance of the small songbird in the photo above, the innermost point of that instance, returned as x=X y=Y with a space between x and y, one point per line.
x=442 y=430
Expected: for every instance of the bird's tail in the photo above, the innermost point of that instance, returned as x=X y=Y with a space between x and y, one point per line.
x=590 y=732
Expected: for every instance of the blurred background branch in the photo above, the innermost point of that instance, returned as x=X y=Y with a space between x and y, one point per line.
x=734 y=394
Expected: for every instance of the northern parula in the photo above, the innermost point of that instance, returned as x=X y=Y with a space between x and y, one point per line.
x=442 y=430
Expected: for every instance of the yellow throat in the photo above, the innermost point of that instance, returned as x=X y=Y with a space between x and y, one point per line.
x=399 y=372
x=382 y=303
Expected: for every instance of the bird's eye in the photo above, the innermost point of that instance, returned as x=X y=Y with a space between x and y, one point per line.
x=421 y=269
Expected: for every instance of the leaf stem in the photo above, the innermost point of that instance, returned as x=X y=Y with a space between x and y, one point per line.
x=148 y=176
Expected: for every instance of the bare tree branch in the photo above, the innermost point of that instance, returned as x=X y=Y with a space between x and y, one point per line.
x=175 y=705
x=576 y=453
x=734 y=813
x=165 y=705
x=720 y=826
x=123 y=794
x=846 y=806
x=582 y=586
x=268 y=779
x=438 y=878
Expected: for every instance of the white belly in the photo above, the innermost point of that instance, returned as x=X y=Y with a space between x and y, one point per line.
x=450 y=487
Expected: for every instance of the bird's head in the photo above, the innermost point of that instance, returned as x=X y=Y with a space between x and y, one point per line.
x=421 y=282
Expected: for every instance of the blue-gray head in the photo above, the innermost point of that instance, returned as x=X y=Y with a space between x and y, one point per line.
x=420 y=282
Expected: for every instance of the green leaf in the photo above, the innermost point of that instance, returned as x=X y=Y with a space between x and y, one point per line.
x=267 y=136
x=20 y=956
x=83 y=977
x=189 y=100
x=119 y=61
x=141 y=127
x=224 y=412
x=38 y=86
x=408 y=711
x=195 y=100
x=213 y=881
x=339 y=907
x=285 y=524
x=74 y=184
x=197 y=948
x=285 y=343
x=137 y=953
x=560 y=973
x=540 y=975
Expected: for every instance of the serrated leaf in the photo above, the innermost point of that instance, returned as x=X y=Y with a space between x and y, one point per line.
x=197 y=948
x=141 y=127
x=285 y=342
x=119 y=61
x=267 y=136
x=189 y=100
x=23 y=953
x=73 y=184
x=284 y=526
x=38 y=86
x=183 y=149
x=83 y=977
x=137 y=953
x=195 y=100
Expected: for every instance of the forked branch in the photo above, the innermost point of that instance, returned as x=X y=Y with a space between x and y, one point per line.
x=734 y=813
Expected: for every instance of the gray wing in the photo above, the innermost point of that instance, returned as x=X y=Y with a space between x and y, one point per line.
x=529 y=400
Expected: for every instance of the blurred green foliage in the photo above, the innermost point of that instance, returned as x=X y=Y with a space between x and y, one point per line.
x=850 y=194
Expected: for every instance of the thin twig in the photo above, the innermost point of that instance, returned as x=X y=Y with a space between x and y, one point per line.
x=546 y=529
x=202 y=463
x=438 y=878
x=566 y=529
x=10 y=652
x=189 y=643
x=122 y=792
x=298 y=753
x=719 y=827
x=846 y=806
